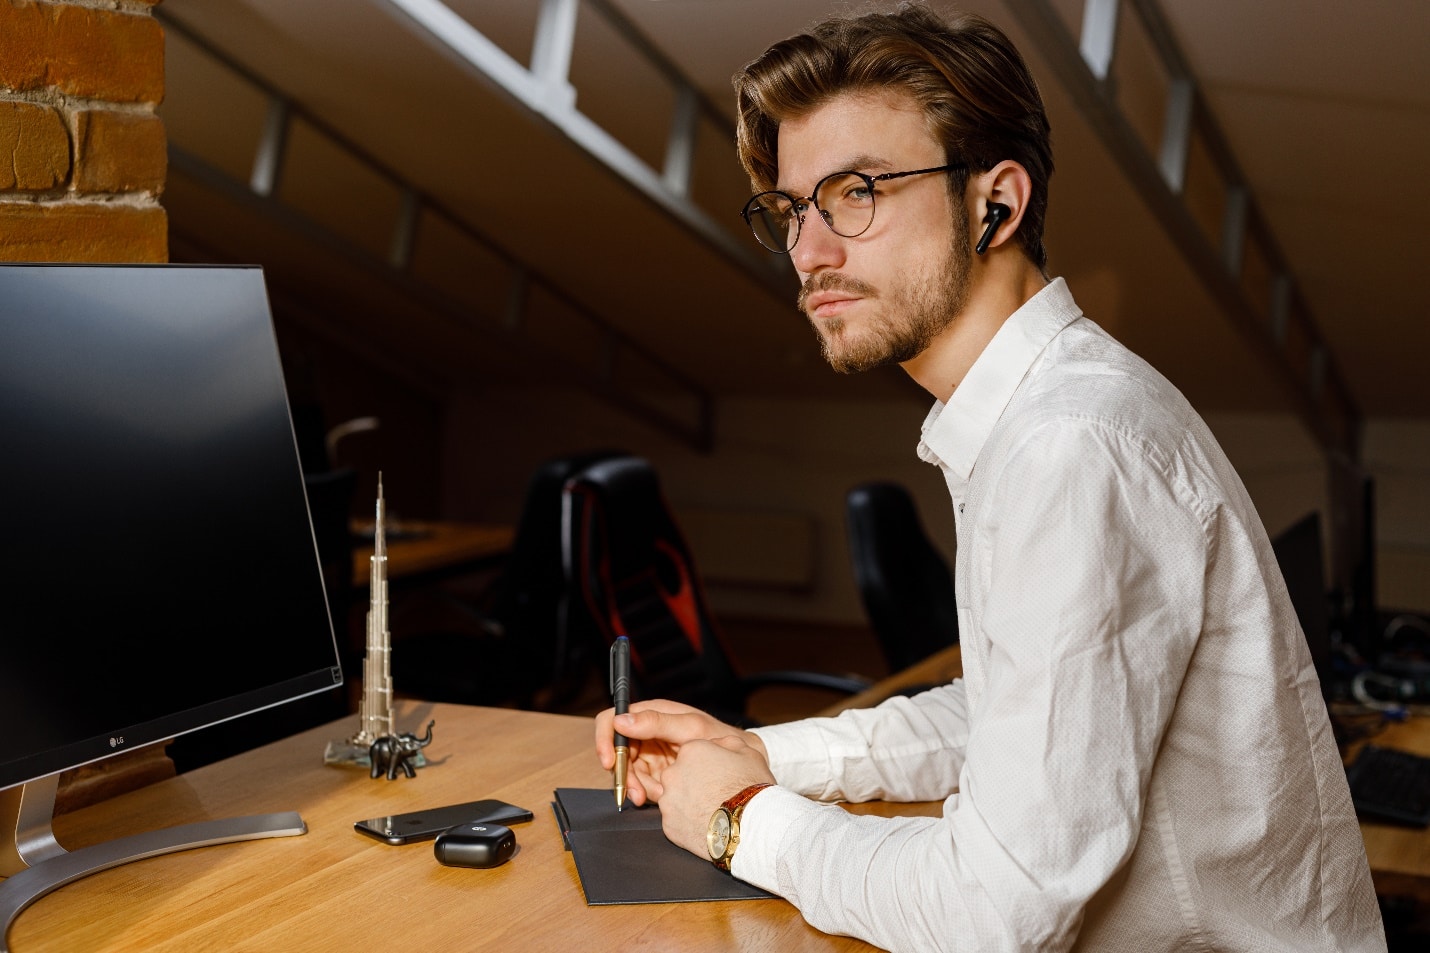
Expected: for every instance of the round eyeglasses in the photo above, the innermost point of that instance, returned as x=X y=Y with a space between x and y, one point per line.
x=845 y=200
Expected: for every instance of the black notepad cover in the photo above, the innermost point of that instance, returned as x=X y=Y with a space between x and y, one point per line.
x=624 y=857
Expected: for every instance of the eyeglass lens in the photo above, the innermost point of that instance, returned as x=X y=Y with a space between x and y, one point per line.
x=845 y=200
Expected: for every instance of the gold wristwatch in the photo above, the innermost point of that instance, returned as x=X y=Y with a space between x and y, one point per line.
x=723 y=834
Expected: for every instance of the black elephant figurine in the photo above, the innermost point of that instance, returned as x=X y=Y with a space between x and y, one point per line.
x=392 y=753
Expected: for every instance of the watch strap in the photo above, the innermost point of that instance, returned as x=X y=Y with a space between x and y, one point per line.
x=735 y=807
x=737 y=803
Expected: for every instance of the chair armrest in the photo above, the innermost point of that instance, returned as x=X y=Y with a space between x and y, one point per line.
x=845 y=684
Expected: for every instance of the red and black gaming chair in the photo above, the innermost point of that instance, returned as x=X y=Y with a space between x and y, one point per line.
x=509 y=646
x=629 y=569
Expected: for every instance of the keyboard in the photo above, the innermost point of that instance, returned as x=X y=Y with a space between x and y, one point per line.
x=1391 y=785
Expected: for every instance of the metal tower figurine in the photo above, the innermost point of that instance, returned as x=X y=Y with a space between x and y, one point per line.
x=375 y=711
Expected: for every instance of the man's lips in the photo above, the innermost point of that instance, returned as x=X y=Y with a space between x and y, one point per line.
x=825 y=304
x=832 y=293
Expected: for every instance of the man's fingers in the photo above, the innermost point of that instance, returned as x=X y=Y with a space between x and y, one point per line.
x=650 y=788
x=605 y=742
x=674 y=727
x=635 y=790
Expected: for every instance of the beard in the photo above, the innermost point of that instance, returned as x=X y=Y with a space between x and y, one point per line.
x=912 y=315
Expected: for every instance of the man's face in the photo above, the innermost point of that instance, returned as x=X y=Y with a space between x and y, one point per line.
x=883 y=296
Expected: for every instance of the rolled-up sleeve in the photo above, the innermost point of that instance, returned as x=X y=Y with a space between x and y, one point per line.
x=1088 y=580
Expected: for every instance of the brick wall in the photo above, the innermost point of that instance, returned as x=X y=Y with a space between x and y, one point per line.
x=82 y=152
x=82 y=165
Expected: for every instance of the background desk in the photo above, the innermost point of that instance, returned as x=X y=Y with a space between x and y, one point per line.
x=435 y=548
x=334 y=889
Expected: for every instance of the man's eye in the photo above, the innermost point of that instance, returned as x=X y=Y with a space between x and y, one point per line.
x=859 y=194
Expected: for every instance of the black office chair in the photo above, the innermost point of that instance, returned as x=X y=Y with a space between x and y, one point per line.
x=903 y=580
x=630 y=572
x=507 y=647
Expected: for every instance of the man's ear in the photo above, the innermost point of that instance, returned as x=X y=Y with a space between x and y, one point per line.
x=1000 y=197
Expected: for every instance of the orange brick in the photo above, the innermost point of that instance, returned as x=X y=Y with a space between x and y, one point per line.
x=91 y=233
x=119 y=152
x=81 y=51
x=38 y=145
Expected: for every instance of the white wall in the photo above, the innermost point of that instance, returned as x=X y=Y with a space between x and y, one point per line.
x=1280 y=464
x=1397 y=454
x=1287 y=477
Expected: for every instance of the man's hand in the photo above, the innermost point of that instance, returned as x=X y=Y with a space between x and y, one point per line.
x=705 y=774
x=658 y=731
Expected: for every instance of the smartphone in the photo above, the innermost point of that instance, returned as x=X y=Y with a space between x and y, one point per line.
x=425 y=825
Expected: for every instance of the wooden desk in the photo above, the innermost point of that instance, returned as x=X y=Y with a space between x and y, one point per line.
x=435 y=547
x=938 y=668
x=334 y=889
x=1399 y=856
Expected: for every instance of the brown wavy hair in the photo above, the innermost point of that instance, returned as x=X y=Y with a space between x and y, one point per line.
x=975 y=91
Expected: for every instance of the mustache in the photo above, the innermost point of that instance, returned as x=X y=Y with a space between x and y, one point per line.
x=834 y=281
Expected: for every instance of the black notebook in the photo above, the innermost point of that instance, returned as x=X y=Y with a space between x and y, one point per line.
x=624 y=857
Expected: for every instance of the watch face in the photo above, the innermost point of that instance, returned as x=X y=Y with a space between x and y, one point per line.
x=717 y=838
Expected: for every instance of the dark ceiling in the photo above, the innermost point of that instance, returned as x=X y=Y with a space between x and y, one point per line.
x=1327 y=112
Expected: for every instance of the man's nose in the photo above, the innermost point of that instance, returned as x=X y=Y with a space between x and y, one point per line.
x=818 y=247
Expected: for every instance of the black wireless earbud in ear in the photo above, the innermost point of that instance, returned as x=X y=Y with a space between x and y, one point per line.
x=998 y=213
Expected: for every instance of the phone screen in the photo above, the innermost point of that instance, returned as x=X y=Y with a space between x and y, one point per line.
x=425 y=825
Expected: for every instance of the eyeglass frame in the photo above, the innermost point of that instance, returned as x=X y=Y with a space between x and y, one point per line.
x=824 y=216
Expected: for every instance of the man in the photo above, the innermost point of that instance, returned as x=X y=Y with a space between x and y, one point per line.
x=1138 y=757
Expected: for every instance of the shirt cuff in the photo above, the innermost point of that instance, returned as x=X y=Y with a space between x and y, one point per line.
x=766 y=817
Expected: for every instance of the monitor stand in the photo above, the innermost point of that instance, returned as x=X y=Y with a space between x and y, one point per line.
x=34 y=863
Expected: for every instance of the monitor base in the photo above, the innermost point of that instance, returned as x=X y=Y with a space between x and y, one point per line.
x=57 y=869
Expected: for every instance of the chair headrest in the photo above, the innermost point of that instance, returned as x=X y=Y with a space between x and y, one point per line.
x=628 y=494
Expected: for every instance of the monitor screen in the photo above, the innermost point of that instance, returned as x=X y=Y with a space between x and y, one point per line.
x=1300 y=554
x=158 y=571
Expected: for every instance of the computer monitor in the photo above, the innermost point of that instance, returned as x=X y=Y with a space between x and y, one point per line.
x=158 y=570
x=1300 y=554
x=1365 y=614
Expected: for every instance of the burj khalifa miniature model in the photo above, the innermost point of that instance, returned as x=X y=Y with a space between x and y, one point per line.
x=375 y=710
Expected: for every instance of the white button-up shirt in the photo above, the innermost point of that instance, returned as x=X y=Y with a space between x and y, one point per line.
x=1138 y=757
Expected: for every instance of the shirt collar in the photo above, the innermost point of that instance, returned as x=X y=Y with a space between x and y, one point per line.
x=954 y=433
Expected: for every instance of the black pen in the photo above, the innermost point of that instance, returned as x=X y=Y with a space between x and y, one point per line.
x=621 y=694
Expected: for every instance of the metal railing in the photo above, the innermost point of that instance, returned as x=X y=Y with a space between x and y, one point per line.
x=545 y=90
